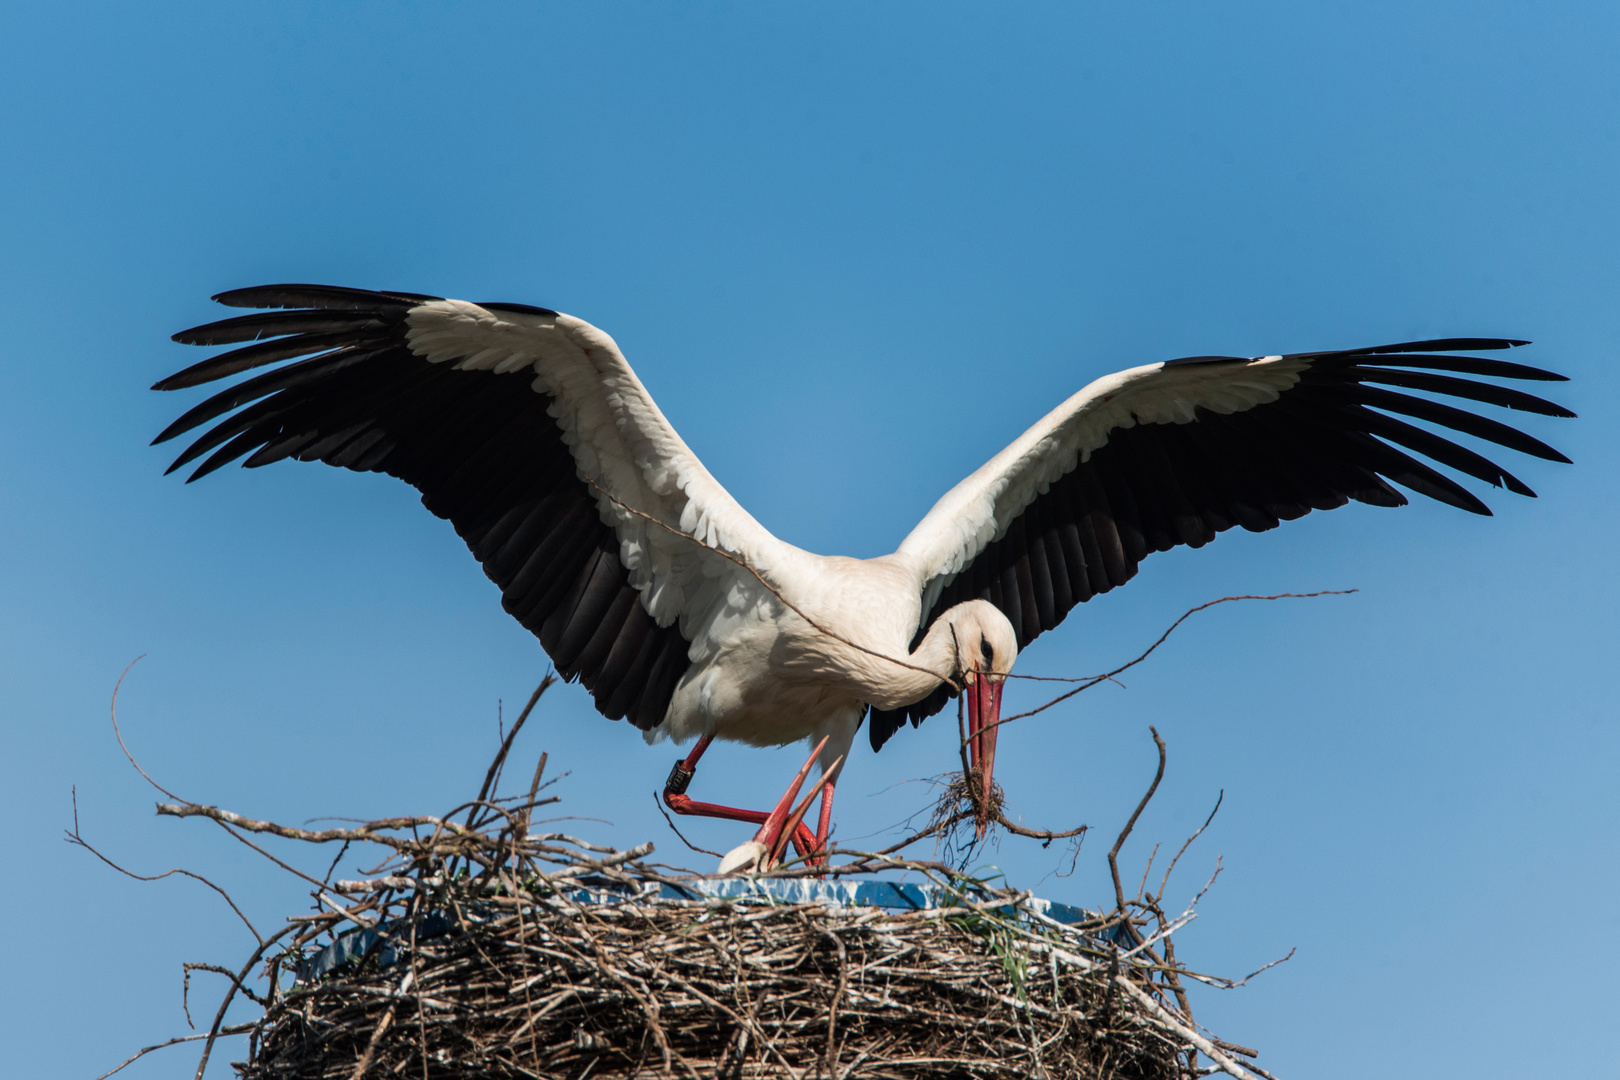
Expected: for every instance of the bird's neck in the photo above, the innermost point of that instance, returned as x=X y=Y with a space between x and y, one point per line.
x=931 y=663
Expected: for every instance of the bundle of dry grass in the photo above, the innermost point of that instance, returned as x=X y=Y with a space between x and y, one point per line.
x=483 y=948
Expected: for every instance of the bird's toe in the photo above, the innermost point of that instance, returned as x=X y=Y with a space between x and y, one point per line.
x=742 y=859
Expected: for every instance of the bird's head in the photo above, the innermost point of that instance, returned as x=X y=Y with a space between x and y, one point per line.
x=984 y=642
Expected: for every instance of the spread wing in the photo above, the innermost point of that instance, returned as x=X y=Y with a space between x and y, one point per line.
x=1175 y=453
x=527 y=429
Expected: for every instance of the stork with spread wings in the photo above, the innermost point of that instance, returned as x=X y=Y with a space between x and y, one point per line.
x=647 y=582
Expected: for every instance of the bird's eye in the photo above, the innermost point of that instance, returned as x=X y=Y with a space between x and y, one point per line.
x=987 y=652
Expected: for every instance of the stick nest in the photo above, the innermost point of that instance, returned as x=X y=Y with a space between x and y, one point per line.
x=551 y=986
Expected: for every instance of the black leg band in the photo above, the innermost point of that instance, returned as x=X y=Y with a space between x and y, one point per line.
x=678 y=779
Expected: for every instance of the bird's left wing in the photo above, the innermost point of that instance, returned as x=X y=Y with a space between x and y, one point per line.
x=1174 y=453
x=528 y=430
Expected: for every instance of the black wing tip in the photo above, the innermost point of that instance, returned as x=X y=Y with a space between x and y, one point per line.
x=520 y=309
x=1473 y=344
x=1181 y=361
x=1450 y=345
x=195 y=375
x=302 y=295
x=1517 y=486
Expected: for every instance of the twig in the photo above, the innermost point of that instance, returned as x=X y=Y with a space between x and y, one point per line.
x=382 y=1025
x=1165 y=881
x=1113 y=853
x=1162 y=1015
x=373 y=832
x=1109 y=676
x=234 y=1029
x=236 y=984
x=671 y=821
x=1265 y=967
x=73 y=837
x=506 y=746
x=522 y=830
x=119 y=735
x=1142 y=885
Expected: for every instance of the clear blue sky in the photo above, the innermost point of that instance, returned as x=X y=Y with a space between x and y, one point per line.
x=853 y=250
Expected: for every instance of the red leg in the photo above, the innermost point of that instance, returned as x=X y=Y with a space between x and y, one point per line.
x=676 y=799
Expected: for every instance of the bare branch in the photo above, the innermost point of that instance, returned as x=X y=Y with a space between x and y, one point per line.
x=1088 y=683
x=119 y=735
x=495 y=767
x=1113 y=853
x=73 y=837
x=1165 y=882
x=681 y=836
x=234 y=1029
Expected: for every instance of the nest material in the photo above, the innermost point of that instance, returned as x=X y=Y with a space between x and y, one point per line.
x=555 y=987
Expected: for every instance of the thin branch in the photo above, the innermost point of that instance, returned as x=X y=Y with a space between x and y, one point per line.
x=1088 y=683
x=73 y=837
x=1113 y=853
x=1266 y=967
x=1161 y=1014
x=214 y=1029
x=506 y=746
x=335 y=860
x=372 y=832
x=239 y=838
x=1046 y=836
x=1165 y=882
x=700 y=850
x=234 y=1029
x=119 y=735
x=1146 y=870
x=526 y=811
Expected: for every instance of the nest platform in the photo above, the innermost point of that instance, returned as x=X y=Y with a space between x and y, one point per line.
x=726 y=977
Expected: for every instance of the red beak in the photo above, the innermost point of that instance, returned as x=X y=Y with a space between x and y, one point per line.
x=984 y=710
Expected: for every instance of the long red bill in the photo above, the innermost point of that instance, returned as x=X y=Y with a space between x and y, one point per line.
x=984 y=712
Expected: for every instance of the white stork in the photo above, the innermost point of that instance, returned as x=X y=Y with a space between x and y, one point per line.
x=648 y=583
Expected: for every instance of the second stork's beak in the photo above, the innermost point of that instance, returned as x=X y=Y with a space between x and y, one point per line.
x=984 y=711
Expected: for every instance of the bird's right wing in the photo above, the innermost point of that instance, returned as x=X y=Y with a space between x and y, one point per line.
x=528 y=430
